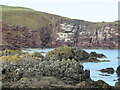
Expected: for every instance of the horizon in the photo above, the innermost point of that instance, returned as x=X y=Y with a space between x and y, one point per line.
x=95 y=13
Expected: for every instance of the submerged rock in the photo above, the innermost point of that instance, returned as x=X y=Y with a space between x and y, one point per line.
x=107 y=70
x=104 y=74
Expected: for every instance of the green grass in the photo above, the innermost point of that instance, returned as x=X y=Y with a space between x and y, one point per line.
x=20 y=16
x=25 y=17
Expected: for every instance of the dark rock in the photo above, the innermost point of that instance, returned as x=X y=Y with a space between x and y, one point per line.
x=101 y=84
x=43 y=72
x=104 y=60
x=104 y=74
x=114 y=80
x=107 y=70
x=79 y=54
x=68 y=70
x=117 y=84
x=48 y=74
x=73 y=53
x=93 y=84
x=92 y=59
x=97 y=55
x=118 y=71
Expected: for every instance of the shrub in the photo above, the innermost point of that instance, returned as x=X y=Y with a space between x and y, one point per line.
x=10 y=52
x=13 y=55
x=12 y=58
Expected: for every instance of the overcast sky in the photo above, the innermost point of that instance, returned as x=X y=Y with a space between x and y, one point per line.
x=89 y=10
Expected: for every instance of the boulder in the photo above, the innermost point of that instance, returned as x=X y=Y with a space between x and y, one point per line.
x=79 y=55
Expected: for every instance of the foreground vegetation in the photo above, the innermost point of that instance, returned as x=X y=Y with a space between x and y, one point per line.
x=16 y=55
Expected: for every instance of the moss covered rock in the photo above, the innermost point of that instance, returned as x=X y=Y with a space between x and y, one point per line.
x=71 y=53
x=60 y=53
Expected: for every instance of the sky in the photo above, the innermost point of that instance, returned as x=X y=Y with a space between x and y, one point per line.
x=89 y=10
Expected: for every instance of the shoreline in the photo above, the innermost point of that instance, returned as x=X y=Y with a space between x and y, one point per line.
x=79 y=62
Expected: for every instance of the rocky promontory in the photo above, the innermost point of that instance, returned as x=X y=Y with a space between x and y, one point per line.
x=24 y=70
x=74 y=54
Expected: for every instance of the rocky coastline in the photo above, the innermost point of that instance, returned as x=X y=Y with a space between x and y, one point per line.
x=61 y=67
x=55 y=70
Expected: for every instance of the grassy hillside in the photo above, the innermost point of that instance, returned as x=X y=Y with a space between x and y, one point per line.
x=33 y=19
x=25 y=17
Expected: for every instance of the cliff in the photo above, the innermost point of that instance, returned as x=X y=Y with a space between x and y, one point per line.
x=24 y=27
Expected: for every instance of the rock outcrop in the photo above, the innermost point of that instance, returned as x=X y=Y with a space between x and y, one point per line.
x=20 y=36
x=75 y=54
x=94 y=54
x=36 y=71
x=108 y=70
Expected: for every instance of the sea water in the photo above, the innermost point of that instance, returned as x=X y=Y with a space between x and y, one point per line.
x=112 y=55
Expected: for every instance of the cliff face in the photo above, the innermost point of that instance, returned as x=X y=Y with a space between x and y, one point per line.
x=29 y=28
x=89 y=35
x=20 y=36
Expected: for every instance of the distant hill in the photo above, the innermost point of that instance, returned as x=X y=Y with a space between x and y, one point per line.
x=20 y=16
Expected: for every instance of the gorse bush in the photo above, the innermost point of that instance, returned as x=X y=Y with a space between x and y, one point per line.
x=10 y=52
x=15 y=55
